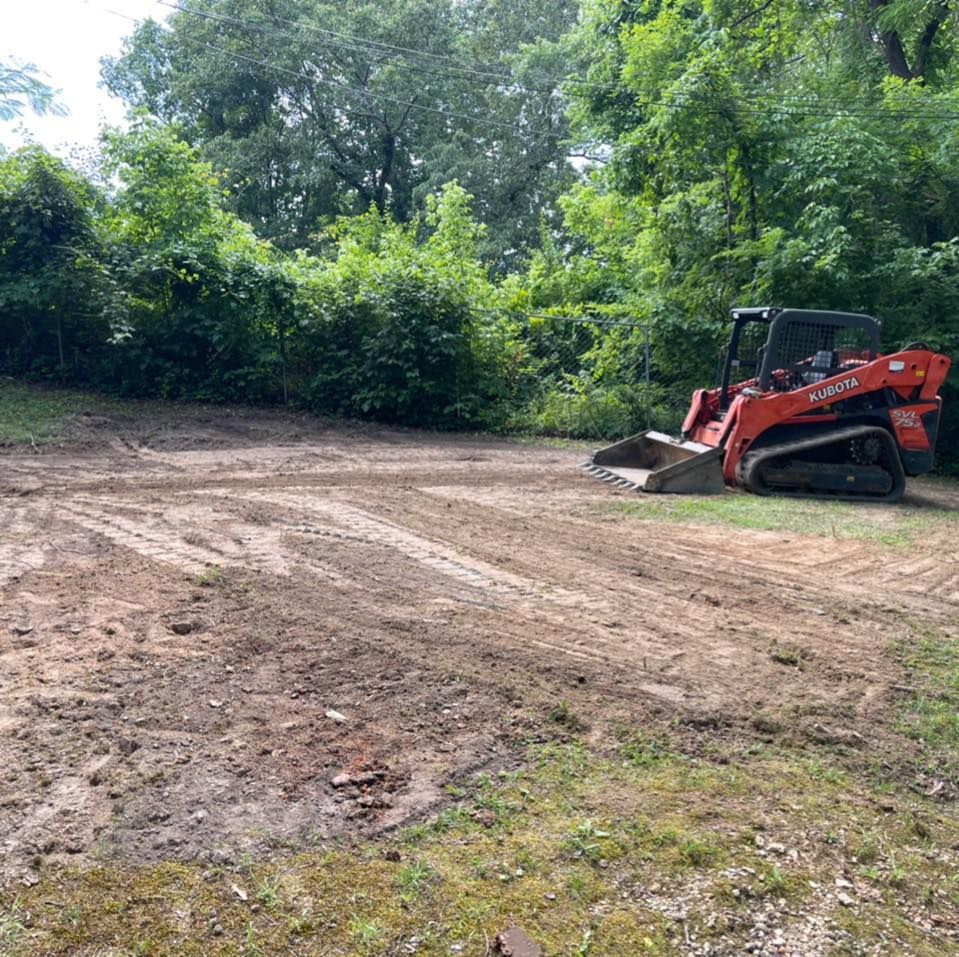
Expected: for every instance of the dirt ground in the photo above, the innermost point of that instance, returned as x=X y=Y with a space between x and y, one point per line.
x=205 y=619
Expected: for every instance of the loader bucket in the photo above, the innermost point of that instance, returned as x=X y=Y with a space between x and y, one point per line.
x=653 y=462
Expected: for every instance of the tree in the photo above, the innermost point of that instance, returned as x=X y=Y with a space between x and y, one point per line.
x=321 y=108
x=774 y=153
x=906 y=33
x=202 y=299
x=51 y=279
x=20 y=87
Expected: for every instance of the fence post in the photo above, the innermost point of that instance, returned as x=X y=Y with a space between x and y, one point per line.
x=646 y=358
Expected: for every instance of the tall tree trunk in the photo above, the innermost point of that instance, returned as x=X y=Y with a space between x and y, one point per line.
x=894 y=52
x=389 y=154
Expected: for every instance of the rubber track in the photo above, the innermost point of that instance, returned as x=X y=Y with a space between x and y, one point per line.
x=747 y=473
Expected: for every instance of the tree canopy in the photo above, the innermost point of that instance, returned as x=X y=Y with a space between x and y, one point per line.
x=318 y=109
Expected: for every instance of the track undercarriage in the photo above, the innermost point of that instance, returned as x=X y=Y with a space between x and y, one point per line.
x=852 y=465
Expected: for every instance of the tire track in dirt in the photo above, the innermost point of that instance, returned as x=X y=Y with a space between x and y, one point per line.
x=155 y=532
x=692 y=589
x=148 y=539
x=477 y=584
x=826 y=564
x=21 y=552
x=537 y=598
x=363 y=526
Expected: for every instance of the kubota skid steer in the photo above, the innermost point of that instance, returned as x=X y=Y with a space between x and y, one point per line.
x=818 y=412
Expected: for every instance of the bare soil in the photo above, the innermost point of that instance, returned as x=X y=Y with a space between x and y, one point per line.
x=206 y=618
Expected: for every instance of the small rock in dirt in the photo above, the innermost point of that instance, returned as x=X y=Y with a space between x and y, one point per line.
x=367 y=777
x=217 y=930
x=516 y=943
x=391 y=854
x=335 y=716
x=127 y=745
x=845 y=899
x=21 y=629
x=240 y=893
x=183 y=627
x=341 y=780
x=214 y=703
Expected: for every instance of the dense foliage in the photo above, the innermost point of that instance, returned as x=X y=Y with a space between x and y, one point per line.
x=319 y=108
x=288 y=225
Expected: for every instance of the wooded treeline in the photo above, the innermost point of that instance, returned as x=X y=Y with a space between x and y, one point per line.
x=353 y=204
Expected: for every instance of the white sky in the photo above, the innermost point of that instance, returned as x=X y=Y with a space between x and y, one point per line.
x=65 y=40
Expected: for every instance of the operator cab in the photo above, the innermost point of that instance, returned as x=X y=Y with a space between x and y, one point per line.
x=779 y=350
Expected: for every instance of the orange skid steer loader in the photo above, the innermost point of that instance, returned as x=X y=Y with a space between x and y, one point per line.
x=807 y=407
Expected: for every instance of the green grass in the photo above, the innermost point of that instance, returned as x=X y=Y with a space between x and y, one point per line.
x=11 y=927
x=573 y=835
x=930 y=712
x=897 y=526
x=35 y=415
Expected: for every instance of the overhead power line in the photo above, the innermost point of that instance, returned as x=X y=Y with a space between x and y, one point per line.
x=775 y=104
x=681 y=101
x=357 y=44
x=403 y=64
x=372 y=94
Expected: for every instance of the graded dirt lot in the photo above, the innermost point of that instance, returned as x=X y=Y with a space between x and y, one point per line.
x=206 y=617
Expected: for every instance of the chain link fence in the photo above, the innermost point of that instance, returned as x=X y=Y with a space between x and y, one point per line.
x=595 y=378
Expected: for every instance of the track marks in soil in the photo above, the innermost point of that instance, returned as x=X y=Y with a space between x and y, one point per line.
x=193 y=538
x=485 y=566
x=21 y=551
x=349 y=522
x=152 y=539
x=526 y=597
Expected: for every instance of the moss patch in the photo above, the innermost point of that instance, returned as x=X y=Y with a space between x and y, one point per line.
x=634 y=852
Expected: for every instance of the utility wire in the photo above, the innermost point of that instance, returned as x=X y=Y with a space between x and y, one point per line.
x=358 y=45
x=791 y=101
x=461 y=74
x=409 y=104
x=684 y=100
x=377 y=44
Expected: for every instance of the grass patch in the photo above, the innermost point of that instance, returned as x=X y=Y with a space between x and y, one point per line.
x=36 y=415
x=588 y=853
x=212 y=576
x=897 y=526
x=930 y=713
x=11 y=927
